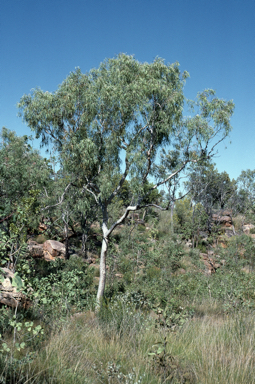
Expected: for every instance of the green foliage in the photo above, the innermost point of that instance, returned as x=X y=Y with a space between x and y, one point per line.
x=22 y=169
x=114 y=374
x=211 y=188
x=17 y=282
x=13 y=247
x=173 y=316
x=245 y=200
x=57 y=293
x=168 y=367
x=183 y=217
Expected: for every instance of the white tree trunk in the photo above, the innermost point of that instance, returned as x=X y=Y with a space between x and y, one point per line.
x=106 y=234
x=102 y=278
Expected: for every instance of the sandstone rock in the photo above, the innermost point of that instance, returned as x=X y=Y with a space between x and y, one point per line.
x=49 y=250
x=209 y=267
x=223 y=218
x=35 y=249
x=227 y=212
x=42 y=227
x=53 y=249
x=209 y=262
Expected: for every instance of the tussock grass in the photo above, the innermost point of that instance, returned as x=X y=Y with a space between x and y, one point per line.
x=222 y=350
x=217 y=349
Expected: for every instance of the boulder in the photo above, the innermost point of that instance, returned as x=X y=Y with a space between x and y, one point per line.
x=209 y=262
x=35 y=249
x=53 y=249
x=49 y=250
x=223 y=217
x=9 y=295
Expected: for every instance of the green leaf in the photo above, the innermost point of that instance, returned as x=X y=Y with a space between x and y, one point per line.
x=17 y=282
x=160 y=349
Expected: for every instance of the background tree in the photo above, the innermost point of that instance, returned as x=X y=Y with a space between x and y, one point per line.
x=210 y=188
x=116 y=120
x=23 y=175
x=244 y=200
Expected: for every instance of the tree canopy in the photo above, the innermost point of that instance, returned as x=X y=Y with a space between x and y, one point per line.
x=123 y=120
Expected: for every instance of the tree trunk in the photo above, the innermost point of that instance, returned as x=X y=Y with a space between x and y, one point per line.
x=66 y=242
x=172 y=217
x=85 y=235
x=102 y=278
x=65 y=220
x=84 y=239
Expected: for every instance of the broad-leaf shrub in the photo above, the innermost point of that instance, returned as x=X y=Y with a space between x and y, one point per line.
x=57 y=293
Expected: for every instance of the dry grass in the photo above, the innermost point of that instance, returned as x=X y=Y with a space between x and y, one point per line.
x=220 y=349
x=217 y=349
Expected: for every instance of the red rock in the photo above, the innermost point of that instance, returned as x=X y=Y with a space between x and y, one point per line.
x=53 y=249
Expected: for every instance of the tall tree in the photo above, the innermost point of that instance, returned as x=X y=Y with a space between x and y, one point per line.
x=116 y=120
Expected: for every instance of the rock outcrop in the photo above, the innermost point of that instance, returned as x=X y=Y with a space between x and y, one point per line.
x=53 y=249
x=223 y=217
x=210 y=264
x=35 y=249
x=49 y=250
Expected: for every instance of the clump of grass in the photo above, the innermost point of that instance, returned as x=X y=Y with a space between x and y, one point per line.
x=238 y=222
x=221 y=349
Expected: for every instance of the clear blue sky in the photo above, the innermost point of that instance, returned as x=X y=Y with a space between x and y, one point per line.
x=41 y=42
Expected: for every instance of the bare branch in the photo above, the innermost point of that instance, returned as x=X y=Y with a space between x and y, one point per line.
x=85 y=188
x=61 y=199
x=121 y=182
x=171 y=176
x=219 y=141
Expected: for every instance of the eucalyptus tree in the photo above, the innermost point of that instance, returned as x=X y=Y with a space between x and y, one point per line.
x=116 y=120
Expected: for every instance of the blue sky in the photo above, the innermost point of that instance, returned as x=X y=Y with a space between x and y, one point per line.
x=41 y=42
